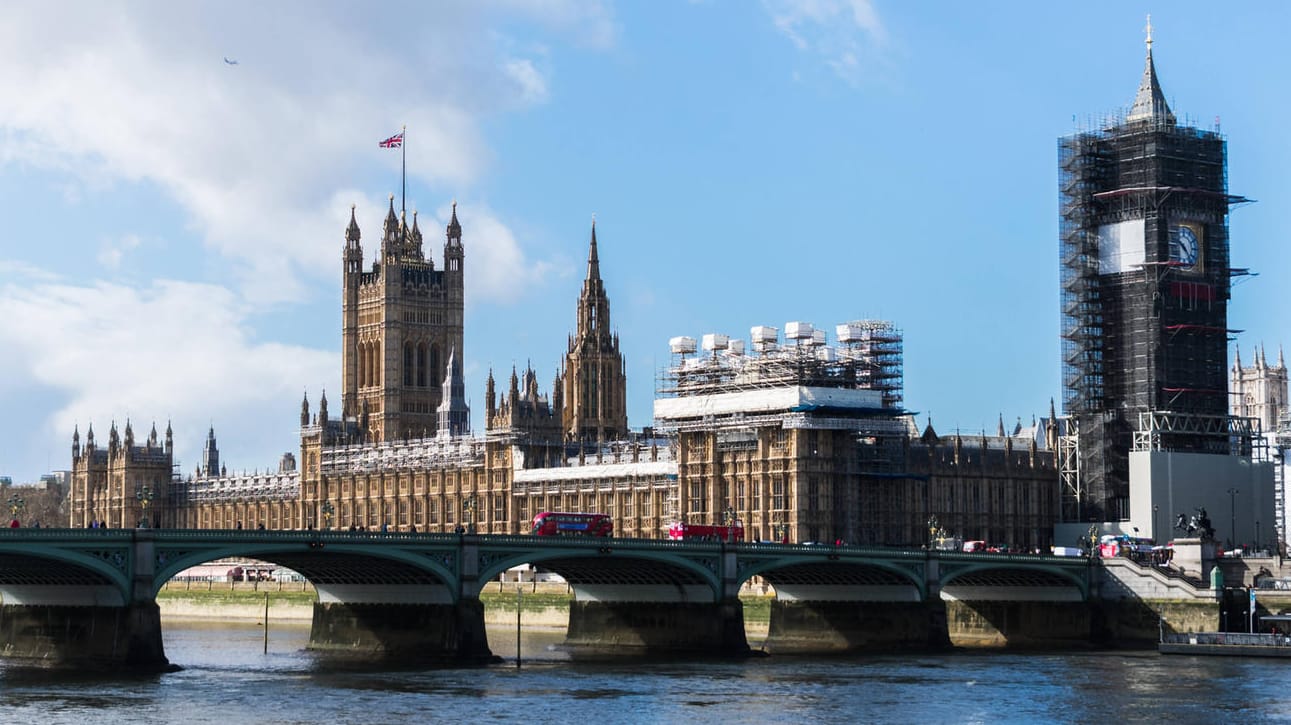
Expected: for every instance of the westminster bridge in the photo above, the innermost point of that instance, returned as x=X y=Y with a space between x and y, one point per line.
x=87 y=597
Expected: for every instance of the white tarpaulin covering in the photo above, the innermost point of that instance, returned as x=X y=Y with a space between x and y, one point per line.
x=599 y=471
x=1121 y=247
x=773 y=400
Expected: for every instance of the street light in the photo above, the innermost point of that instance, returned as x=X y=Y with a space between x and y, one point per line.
x=145 y=496
x=728 y=519
x=932 y=530
x=1232 y=516
x=16 y=504
x=328 y=510
x=1156 y=530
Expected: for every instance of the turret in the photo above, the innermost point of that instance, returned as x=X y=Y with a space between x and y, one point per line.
x=391 y=231
x=304 y=411
x=353 y=249
x=170 y=439
x=76 y=442
x=453 y=251
x=490 y=397
x=129 y=434
x=453 y=414
x=414 y=236
x=210 y=455
x=322 y=411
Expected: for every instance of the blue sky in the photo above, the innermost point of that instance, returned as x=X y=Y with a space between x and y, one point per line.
x=173 y=225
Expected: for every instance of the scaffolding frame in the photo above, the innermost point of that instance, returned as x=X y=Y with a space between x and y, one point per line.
x=1144 y=342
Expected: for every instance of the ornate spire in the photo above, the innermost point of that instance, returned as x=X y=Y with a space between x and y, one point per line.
x=490 y=396
x=593 y=261
x=304 y=410
x=1149 y=103
x=352 y=231
x=453 y=415
x=453 y=230
x=390 y=228
x=1281 y=361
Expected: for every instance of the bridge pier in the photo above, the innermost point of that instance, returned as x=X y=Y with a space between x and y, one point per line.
x=41 y=635
x=635 y=628
x=89 y=625
x=814 y=627
x=1020 y=624
x=406 y=632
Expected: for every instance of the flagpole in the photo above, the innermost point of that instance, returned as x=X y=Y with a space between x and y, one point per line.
x=403 y=200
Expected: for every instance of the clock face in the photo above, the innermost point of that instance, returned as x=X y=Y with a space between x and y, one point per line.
x=1185 y=247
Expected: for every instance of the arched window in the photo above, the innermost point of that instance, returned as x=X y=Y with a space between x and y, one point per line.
x=435 y=365
x=421 y=365
x=407 y=364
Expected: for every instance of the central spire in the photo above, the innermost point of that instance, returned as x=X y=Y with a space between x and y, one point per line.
x=593 y=262
x=1149 y=102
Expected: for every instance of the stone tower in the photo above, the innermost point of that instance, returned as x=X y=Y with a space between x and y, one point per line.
x=592 y=388
x=399 y=322
x=123 y=485
x=1145 y=276
x=1259 y=391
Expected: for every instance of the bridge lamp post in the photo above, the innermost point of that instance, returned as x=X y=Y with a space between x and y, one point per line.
x=728 y=520
x=1232 y=515
x=145 y=496
x=932 y=530
x=328 y=510
x=16 y=504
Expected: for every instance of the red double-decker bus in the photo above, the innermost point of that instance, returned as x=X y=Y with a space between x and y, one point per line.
x=704 y=532
x=557 y=523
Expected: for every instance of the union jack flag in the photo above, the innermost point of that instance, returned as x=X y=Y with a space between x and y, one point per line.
x=393 y=142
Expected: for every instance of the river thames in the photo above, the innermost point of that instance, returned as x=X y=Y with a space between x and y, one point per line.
x=227 y=678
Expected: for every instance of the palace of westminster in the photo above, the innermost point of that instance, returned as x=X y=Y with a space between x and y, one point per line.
x=797 y=441
x=796 y=438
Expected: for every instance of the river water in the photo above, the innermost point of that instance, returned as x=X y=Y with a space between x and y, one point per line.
x=228 y=679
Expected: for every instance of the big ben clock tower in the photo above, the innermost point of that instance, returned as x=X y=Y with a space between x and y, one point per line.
x=1145 y=276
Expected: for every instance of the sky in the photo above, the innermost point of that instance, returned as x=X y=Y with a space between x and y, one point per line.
x=173 y=222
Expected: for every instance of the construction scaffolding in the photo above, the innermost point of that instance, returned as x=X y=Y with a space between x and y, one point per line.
x=1145 y=284
x=869 y=356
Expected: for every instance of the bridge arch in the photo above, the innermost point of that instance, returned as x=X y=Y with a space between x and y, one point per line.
x=1014 y=575
x=27 y=573
x=356 y=562
x=615 y=562
x=845 y=570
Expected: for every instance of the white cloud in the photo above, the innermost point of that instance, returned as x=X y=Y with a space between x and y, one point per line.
x=173 y=351
x=112 y=251
x=847 y=35
x=496 y=267
x=533 y=87
x=256 y=152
